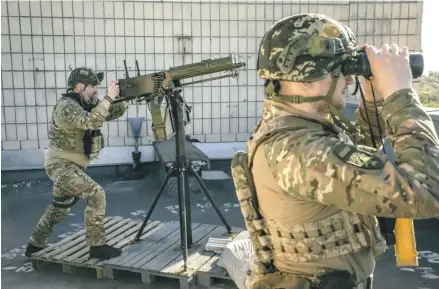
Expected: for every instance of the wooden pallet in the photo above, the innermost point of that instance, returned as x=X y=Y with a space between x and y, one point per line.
x=157 y=254
x=72 y=252
x=210 y=273
x=160 y=255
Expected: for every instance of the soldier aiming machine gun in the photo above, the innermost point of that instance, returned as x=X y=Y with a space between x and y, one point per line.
x=153 y=88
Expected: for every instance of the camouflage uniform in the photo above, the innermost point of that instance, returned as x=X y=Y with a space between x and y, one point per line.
x=310 y=188
x=75 y=141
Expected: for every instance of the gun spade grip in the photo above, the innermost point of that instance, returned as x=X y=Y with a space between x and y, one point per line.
x=405 y=248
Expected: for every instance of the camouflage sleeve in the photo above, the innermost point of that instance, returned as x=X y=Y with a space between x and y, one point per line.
x=116 y=110
x=367 y=114
x=72 y=113
x=317 y=166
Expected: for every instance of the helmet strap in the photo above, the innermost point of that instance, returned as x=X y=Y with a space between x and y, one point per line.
x=269 y=91
x=335 y=75
x=338 y=117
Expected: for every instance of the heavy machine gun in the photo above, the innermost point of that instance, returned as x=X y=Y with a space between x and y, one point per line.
x=153 y=88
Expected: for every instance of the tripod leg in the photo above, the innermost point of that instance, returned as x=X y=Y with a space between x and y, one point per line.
x=187 y=206
x=157 y=197
x=209 y=196
x=183 y=216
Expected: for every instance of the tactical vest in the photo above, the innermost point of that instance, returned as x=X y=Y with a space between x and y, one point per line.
x=88 y=142
x=337 y=235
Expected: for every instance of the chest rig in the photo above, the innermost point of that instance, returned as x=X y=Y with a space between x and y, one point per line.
x=339 y=234
x=88 y=142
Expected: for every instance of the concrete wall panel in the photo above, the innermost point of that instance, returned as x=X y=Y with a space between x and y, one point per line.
x=43 y=40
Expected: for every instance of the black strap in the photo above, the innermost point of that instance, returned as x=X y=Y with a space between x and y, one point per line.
x=57 y=202
x=387 y=227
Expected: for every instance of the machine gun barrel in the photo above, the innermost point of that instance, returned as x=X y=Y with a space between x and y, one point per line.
x=205 y=67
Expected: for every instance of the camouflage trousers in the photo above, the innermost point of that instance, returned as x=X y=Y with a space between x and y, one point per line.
x=71 y=183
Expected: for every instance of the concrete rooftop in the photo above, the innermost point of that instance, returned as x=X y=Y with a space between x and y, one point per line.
x=25 y=195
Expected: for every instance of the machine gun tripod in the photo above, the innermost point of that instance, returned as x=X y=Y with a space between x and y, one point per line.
x=181 y=169
x=152 y=88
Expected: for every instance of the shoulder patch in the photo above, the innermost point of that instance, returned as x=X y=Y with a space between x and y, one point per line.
x=357 y=157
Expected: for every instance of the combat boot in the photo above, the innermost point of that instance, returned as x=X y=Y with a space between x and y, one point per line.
x=104 y=252
x=31 y=249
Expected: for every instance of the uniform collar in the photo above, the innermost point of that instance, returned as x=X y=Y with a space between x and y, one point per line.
x=274 y=109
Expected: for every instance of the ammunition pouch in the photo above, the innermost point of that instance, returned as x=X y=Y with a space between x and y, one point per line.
x=343 y=280
x=337 y=280
x=74 y=142
x=254 y=221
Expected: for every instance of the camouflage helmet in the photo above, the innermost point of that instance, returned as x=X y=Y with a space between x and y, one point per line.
x=84 y=75
x=304 y=48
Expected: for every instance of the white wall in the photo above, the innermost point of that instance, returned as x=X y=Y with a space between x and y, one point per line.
x=42 y=41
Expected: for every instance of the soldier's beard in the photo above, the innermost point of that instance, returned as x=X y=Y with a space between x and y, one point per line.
x=86 y=98
x=338 y=101
x=89 y=98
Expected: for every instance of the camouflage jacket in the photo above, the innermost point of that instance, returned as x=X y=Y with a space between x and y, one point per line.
x=73 y=125
x=336 y=168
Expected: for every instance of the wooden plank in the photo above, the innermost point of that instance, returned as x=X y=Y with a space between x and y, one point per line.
x=67 y=241
x=163 y=257
x=157 y=254
x=196 y=259
x=71 y=243
x=147 y=231
x=209 y=271
x=205 y=256
x=123 y=239
x=78 y=257
x=208 y=266
x=167 y=246
x=135 y=252
x=80 y=243
x=156 y=249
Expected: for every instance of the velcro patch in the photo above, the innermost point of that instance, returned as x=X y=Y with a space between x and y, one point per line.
x=356 y=157
x=84 y=72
